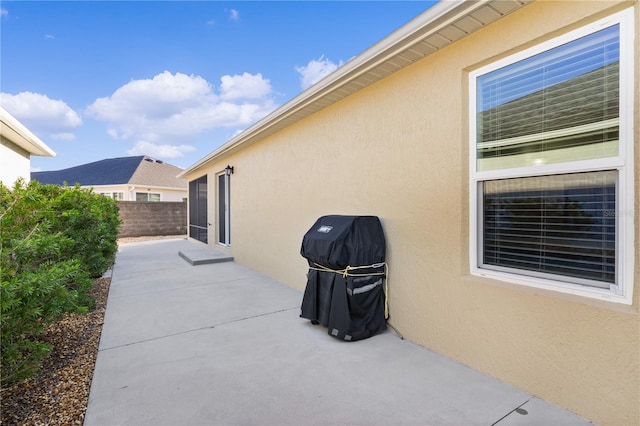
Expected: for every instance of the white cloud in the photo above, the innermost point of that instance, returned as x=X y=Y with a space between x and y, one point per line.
x=49 y=37
x=315 y=70
x=113 y=133
x=160 y=151
x=234 y=15
x=167 y=112
x=41 y=114
x=245 y=86
x=3 y=11
x=64 y=136
x=158 y=98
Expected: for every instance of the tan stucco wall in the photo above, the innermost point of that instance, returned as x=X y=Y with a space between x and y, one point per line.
x=15 y=163
x=399 y=150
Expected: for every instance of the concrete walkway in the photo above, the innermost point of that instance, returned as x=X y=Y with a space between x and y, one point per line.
x=219 y=344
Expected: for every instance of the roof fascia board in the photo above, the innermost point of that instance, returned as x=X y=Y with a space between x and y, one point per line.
x=429 y=22
x=18 y=133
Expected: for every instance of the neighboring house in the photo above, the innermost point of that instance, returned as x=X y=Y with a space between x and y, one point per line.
x=17 y=145
x=498 y=143
x=138 y=178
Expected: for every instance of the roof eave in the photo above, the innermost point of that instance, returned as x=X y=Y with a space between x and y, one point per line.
x=18 y=134
x=435 y=19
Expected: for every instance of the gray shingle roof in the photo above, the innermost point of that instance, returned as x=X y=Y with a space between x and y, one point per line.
x=157 y=173
x=138 y=170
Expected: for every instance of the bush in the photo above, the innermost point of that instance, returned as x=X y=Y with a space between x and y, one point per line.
x=91 y=222
x=52 y=241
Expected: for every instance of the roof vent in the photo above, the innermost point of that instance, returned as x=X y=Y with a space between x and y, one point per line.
x=149 y=159
x=159 y=161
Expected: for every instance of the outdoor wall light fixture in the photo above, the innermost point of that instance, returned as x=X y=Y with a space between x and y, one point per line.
x=228 y=170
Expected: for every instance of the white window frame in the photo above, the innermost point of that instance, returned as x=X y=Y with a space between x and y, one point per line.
x=622 y=292
x=117 y=195
x=224 y=210
x=159 y=194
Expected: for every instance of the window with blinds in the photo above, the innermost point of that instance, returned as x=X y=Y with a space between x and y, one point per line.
x=560 y=105
x=551 y=164
x=562 y=225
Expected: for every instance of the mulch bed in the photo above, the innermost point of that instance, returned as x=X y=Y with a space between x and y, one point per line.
x=59 y=394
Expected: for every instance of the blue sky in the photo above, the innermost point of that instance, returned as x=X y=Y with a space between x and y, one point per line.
x=171 y=79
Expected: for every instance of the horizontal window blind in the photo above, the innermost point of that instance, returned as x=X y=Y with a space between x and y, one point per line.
x=565 y=99
x=562 y=225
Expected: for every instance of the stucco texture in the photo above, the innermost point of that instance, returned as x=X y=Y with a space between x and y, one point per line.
x=399 y=150
x=14 y=164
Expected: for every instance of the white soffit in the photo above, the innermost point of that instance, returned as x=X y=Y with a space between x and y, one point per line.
x=436 y=28
x=16 y=132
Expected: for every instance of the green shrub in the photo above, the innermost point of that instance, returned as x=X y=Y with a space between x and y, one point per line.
x=91 y=222
x=52 y=241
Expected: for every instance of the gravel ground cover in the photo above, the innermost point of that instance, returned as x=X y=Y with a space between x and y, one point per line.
x=59 y=394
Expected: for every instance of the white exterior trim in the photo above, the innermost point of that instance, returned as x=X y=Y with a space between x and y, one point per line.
x=16 y=132
x=226 y=232
x=411 y=42
x=166 y=194
x=623 y=292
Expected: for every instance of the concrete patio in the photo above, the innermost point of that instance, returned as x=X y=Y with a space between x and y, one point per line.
x=220 y=344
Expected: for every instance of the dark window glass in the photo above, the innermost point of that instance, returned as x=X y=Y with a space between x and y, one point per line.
x=562 y=225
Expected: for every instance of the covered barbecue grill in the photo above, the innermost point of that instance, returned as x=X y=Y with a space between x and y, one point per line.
x=345 y=289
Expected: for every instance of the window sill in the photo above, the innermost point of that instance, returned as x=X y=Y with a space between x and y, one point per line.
x=574 y=293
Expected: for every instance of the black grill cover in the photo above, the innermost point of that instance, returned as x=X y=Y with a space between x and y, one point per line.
x=352 y=307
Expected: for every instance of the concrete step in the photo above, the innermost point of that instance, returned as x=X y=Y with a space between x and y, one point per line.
x=204 y=255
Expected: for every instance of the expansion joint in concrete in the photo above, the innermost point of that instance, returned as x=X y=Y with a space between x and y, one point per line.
x=198 y=329
x=518 y=410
